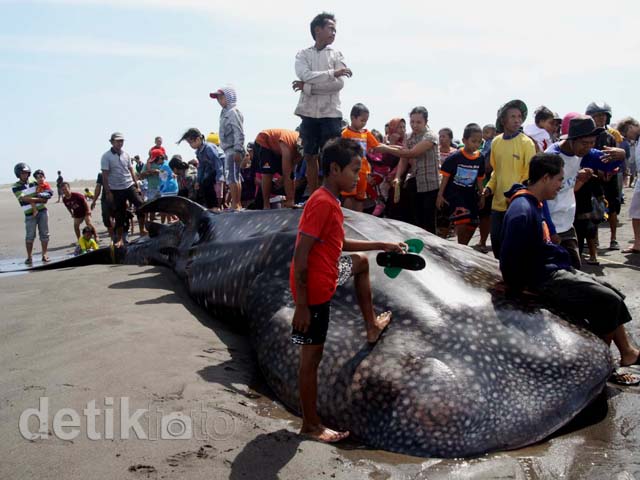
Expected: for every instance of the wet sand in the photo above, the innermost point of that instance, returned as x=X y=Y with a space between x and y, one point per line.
x=109 y=333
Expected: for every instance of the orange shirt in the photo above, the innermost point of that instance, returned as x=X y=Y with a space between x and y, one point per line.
x=321 y=220
x=366 y=140
x=272 y=137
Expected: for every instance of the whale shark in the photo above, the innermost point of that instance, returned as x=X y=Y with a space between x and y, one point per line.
x=462 y=370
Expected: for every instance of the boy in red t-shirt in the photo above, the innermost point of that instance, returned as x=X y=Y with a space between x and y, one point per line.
x=317 y=269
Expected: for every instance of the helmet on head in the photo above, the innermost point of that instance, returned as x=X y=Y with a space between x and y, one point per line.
x=599 y=107
x=38 y=172
x=20 y=168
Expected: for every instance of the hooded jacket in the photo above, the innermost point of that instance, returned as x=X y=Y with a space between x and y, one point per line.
x=231 y=123
x=527 y=256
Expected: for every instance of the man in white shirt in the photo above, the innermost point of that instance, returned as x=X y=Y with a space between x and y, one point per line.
x=320 y=69
x=579 y=141
x=630 y=128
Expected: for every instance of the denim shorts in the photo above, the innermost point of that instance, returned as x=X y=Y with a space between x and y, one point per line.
x=39 y=220
x=232 y=168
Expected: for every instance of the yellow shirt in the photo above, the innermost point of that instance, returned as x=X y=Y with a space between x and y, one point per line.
x=510 y=162
x=86 y=245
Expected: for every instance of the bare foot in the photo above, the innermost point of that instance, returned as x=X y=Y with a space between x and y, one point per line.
x=379 y=324
x=118 y=244
x=323 y=434
x=632 y=357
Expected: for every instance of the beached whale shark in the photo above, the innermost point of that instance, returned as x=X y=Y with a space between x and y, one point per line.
x=461 y=370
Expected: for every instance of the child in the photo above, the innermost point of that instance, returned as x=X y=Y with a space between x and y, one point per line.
x=88 y=194
x=157 y=146
x=231 y=141
x=544 y=127
x=86 y=243
x=354 y=200
x=462 y=175
x=43 y=189
x=78 y=208
x=210 y=165
x=445 y=137
x=318 y=268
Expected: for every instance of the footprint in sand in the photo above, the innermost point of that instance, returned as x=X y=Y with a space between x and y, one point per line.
x=149 y=471
x=182 y=458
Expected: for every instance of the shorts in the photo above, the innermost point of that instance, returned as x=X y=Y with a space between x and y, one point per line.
x=586 y=300
x=269 y=162
x=320 y=314
x=314 y=133
x=232 y=168
x=486 y=210
x=634 y=208
x=585 y=228
x=120 y=198
x=612 y=194
x=107 y=212
x=39 y=220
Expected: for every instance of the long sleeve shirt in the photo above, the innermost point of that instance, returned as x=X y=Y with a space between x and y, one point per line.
x=232 y=130
x=320 y=96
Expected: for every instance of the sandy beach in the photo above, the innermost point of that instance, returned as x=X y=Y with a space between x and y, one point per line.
x=118 y=339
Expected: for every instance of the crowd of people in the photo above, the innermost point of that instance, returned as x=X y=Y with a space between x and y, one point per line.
x=537 y=190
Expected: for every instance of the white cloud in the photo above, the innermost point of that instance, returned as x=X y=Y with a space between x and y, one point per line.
x=75 y=45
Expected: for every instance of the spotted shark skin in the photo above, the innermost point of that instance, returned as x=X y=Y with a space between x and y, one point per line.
x=461 y=370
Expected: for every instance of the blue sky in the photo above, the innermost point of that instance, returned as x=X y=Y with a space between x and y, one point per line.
x=73 y=71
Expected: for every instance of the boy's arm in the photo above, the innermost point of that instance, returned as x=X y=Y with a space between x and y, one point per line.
x=350 y=245
x=308 y=76
x=440 y=201
x=238 y=133
x=301 y=316
x=491 y=184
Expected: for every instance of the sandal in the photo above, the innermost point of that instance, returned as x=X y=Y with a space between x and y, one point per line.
x=45 y=258
x=592 y=261
x=29 y=261
x=631 y=250
x=626 y=379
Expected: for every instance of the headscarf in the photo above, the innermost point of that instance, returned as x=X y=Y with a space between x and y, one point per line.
x=230 y=95
x=394 y=123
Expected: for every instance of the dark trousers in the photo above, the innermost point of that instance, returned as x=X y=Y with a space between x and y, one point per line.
x=120 y=198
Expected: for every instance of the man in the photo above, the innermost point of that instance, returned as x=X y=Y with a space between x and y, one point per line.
x=578 y=143
x=608 y=138
x=33 y=205
x=59 y=181
x=509 y=161
x=530 y=261
x=276 y=151
x=320 y=69
x=105 y=207
x=118 y=181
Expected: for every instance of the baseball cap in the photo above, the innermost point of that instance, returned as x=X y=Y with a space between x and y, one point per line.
x=216 y=94
x=116 y=136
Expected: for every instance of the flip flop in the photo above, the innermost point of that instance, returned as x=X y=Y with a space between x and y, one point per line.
x=626 y=379
x=45 y=258
x=29 y=261
x=399 y=261
x=631 y=250
x=592 y=262
x=392 y=269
